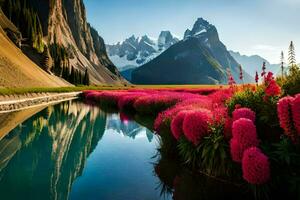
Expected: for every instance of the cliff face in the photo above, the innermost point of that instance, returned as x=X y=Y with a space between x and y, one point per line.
x=64 y=22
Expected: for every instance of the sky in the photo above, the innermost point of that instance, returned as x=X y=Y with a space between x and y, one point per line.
x=261 y=27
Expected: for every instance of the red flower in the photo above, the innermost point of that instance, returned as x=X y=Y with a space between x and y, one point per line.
x=269 y=77
x=273 y=89
x=255 y=166
x=195 y=125
x=243 y=113
x=284 y=114
x=296 y=113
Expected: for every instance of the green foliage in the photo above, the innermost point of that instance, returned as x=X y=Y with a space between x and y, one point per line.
x=27 y=20
x=215 y=155
x=190 y=154
x=212 y=156
x=266 y=110
x=291 y=83
x=284 y=152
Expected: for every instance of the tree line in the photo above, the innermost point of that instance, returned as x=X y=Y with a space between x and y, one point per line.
x=26 y=20
x=61 y=66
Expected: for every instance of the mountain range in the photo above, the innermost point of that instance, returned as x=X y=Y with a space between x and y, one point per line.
x=136 y=51
x=254 y=63
x=200 y=58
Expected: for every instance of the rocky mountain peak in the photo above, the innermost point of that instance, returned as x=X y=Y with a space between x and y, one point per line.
x=135 y=51
x=201 y=29
x=166 y=39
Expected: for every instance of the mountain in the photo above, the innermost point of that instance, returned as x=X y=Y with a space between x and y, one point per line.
x=17 y=70
x=254 y=63
x=136 y=51
x=62 y=33
x=200 y=58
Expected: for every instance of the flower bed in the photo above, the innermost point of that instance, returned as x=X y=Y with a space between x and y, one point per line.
x=245 y=134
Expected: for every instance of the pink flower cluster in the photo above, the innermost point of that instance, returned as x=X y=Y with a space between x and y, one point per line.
x=288 y=109
x=126 y=102
x=296 y=113
x=177 y=123
x=195 y=125
x=243 y=113
x=244 y=136
x=255 y=166
x=173 y=107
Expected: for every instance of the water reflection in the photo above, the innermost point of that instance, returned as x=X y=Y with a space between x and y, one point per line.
x=41 y=158
x=76 y=151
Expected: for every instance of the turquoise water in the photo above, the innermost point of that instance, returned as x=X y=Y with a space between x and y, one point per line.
x=76 y=151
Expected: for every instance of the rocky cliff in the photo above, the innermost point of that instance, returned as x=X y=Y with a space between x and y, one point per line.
x=64 y=23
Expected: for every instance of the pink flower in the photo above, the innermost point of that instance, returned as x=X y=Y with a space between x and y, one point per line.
x=255 y=166
x=244 y=131
x=195 y=125
x=228 y=128
x=127 y=101
x=284 y=114
x=176 y=124
x=243 y=113
x=235 y=150
x=296 y=113
x=244 y=134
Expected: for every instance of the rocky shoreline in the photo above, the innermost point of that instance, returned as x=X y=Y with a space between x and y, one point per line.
x=10 y=103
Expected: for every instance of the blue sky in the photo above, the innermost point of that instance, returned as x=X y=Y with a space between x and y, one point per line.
x=263 y=27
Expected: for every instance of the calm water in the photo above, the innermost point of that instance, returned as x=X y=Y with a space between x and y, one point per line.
x=76 y=151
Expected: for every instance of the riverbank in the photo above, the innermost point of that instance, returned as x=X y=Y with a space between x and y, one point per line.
x=17 y=102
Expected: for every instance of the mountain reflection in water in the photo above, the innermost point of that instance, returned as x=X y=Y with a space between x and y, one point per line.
x=76 y=151
x=42 y=157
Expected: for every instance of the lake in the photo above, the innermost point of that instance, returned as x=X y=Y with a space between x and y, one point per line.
x=77 y=151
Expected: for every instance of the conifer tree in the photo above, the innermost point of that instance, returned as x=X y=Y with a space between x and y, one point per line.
x=86 y=80
x=241 y=73
x=292 y=56
x=282 y=63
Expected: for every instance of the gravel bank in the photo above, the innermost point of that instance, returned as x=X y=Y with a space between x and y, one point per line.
x=9 y=103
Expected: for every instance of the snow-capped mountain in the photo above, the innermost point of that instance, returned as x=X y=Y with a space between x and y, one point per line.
x=136 y=51
x=200 y=58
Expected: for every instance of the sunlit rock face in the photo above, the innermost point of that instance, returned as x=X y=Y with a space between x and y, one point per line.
x=55 y=145
x=65 y=22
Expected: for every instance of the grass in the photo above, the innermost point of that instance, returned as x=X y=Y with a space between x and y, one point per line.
x=10 y=91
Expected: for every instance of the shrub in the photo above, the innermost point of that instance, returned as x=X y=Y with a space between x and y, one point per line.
x=291 y=82
x=126 y=102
